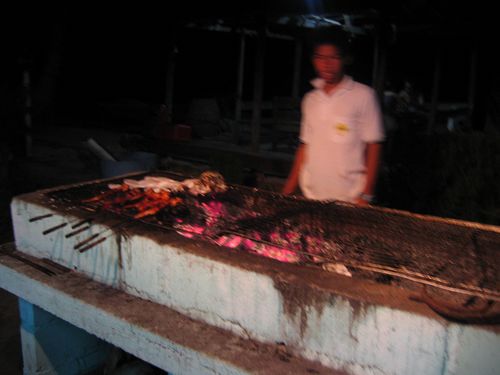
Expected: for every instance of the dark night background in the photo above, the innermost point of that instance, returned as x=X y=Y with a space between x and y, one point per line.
x=106 y=65
x=105 y=52
x=100 y=70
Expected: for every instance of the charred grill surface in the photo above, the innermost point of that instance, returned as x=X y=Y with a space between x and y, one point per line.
x=387 y=244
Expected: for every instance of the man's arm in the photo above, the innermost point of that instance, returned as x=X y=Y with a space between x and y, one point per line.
x=373 y=153
x=293 y=178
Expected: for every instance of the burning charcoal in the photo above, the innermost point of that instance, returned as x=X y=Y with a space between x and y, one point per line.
x=285 y=238
x=314 y=246
x=179 y=211
x=231 y=241
x=183 y=215
x=278 y=253
x=384 y=279
x=368 y=242
x=188 y=230
x=214 y=209
x=170 y=213
x=232 y=197
x=185 y=234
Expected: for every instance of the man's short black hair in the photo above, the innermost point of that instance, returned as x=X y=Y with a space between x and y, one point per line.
x=329 y=35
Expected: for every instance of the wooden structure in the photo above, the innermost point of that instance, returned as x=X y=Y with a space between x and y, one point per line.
x=262 y=32
x=380 y=32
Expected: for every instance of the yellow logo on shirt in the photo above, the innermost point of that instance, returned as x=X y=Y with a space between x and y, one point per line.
x=341 y=128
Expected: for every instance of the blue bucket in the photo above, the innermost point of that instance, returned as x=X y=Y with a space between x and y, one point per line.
x=148 y=160
x=111 y=168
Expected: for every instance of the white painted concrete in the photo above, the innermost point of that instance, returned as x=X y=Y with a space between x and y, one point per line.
x=472 y=351
x=101 y=264
x=374 y=340
x=153 y=348
x=53 y=346
x=214 y=292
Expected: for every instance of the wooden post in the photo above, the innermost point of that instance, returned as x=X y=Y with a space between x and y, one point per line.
x=379 y=64
x=376 y=58
x=169 y=92
x=258 y=90
x=296 y=69
x=435 y=92
x=472 y=83
x=239 y=89
x=27 y=112
x=379 y=87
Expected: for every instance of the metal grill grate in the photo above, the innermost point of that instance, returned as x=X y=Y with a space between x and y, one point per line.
x=449 y=255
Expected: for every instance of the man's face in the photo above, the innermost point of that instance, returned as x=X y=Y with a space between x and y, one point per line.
x=328 y=63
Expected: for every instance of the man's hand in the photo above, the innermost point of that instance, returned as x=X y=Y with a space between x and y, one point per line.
x=293 y=178
x=288 y=189
x=361 y=202
x=373 y=152
x=364 y=199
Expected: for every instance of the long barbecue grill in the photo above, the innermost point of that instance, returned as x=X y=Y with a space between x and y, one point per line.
x=113 y=234
x=436 y=252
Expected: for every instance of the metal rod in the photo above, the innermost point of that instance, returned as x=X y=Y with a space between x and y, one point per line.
x=420 y=278
x=95 y=235
x=75 y=232
x=50 y=230
x=379 y=263
x=264 y=242
x=36 y=218
x=91 y=245
x=81 y=243
x=55 y=265
x=485 y=294
x=32 y=264
x=80 y=223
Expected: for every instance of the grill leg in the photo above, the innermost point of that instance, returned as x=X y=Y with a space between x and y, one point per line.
x=53 y=346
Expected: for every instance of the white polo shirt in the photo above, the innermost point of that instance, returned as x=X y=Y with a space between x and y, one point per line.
x=336 y=128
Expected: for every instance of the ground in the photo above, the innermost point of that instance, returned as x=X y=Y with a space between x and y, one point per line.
x=10 y=343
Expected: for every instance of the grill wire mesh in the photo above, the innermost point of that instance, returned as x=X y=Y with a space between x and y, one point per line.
x=441 y=253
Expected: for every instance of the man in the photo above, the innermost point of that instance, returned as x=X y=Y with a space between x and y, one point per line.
x=341 y=131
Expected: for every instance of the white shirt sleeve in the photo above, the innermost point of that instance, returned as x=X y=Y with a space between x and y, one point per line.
x=305 y=128
x=370 y=121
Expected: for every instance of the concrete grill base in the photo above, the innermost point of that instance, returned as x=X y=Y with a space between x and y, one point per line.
x=151 y=332
x=347 y=324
